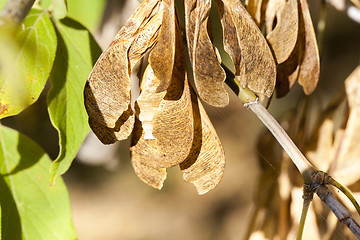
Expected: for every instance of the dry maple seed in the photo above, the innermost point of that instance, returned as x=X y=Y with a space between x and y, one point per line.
x=168 y=125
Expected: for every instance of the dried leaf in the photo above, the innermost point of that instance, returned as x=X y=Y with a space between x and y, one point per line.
x=145 y=158
x=209 y=76
x=254 y=7
x=232 y=46
x=174 y=126
x=324 y=154
x=149 y=101
x=272 y=13
x=356 y=3
x=145 y=39
x=282 y=38
x=260 y=70
x=288 y=72
x=310 y=65
x=107 y=91
x=169 y=50
x=348 y=161
x=205 y=164
x=304 y=63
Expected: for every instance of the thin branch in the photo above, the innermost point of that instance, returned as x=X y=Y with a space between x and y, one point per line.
x=308 y=197
x=15 y=11
x=249 y=99
x=305 y=209
x=314 y=180
x=338 y=209
x=302 y=164
x=344 y=190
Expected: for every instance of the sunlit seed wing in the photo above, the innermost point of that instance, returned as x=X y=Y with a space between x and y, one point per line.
x=303 y=64
x=145 y=39
x=254 y=7
x=288 y=71
x=174 y=126
x=260 y=69
x=310 y=64
x=149 y=101
x=283 y=37
x=209 y=76
x=145 y=158
x=107 y=91
x=168 y=49
x=205 y=164
x=231 y=42
x=273 y=11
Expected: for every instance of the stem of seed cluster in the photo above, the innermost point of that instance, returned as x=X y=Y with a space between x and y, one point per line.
x=302 y=164
x=305 y=209
x=249 y=100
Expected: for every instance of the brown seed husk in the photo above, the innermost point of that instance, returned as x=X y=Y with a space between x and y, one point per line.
x=310 y=65
x=107 y=91
x=283 y=37
x=259 y=66
x=208 y=74
x=303 y=64
x=149 y=101
x=254 y=7
x=145 y=158
x=168 y=50
x=205 y=164
x=173 y=127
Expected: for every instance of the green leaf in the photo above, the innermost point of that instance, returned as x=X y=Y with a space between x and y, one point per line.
x=77 y=53
x=0 y=222
x=45 y=4
x=2 y=4
x=88 y=12
x=59 y=8
x=31 y=208
x=28 y=63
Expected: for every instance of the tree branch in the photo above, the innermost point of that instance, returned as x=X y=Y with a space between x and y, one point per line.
x=317 y=184
x=314 y=181
x=15 y=11
x=250 y=101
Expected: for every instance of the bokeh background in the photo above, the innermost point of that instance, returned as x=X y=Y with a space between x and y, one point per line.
x=110 y=202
